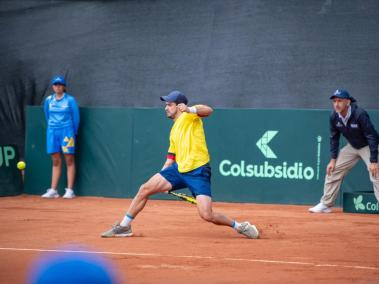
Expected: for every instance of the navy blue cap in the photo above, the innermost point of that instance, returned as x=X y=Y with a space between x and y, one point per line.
x=175 y=97
x=58 y=80
x=342 y=94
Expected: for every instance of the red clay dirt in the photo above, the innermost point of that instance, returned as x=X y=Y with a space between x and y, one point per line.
x=173 y=245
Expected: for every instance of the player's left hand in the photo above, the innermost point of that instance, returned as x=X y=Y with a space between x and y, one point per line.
x=374 y=169
x=183 y=107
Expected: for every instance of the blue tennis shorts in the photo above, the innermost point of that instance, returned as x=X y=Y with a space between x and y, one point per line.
x=198 y=181
x=60 y=140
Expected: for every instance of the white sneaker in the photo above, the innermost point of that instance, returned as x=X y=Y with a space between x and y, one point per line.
x=69 y=193
x=50 y=193
x=248 y=230
x=320 y=208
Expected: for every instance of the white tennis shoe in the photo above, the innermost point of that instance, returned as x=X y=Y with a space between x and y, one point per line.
x=69 y=194
x=320 y=208
x=50 y=193
x=248 y=230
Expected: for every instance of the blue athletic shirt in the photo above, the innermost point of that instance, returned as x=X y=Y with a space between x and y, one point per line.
x=62 y=113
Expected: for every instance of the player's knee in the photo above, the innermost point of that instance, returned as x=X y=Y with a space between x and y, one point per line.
x=144 y=191
x=206 y=216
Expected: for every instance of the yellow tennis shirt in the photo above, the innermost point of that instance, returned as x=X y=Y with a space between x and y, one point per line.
x=187 y=142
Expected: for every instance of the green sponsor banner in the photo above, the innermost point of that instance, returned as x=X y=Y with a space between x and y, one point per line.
x=10 y=176
x=360 y=202
x=275 y=156
x=263 y=156
x=268 y=156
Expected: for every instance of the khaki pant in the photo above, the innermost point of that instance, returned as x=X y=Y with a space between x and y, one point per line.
x=347 y=158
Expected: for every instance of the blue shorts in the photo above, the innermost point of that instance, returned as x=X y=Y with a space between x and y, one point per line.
x=198 y=181
x=60 y=140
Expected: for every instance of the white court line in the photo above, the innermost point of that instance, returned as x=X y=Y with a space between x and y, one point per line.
x=198 y=257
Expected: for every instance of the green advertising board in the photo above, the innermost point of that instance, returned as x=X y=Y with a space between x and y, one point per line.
x=360 y=202
x=10 y=176
x=262 y=156
x=266 y=155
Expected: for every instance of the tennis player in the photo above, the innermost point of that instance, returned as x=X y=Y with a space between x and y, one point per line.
x=187 y=166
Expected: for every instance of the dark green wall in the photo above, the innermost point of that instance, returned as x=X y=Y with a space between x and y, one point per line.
x=120 y=148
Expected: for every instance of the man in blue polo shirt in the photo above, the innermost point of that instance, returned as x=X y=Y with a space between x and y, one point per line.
x=355 y=125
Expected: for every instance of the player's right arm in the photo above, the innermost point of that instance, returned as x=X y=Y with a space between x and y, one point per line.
x=170 y=160
x=171 y=154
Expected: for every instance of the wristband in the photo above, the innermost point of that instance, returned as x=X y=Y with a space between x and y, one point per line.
x=192 y=109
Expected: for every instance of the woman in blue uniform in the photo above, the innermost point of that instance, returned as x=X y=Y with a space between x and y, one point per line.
x=62 y=117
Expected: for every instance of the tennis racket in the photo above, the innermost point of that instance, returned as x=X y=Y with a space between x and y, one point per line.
x=184 y=197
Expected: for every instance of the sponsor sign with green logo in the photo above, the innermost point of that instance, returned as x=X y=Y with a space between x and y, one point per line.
x=360 y=202
x=268 y=156
x=10 y=176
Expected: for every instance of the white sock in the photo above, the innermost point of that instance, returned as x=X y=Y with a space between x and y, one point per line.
x=127 y=220
x=235 y=225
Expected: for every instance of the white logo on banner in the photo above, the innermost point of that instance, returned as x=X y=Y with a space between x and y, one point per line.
x=264 y=140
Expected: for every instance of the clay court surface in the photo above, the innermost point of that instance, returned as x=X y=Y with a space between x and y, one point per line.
x=172 y=245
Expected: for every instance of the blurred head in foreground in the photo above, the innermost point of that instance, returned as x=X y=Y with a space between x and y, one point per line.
x=72 y=266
